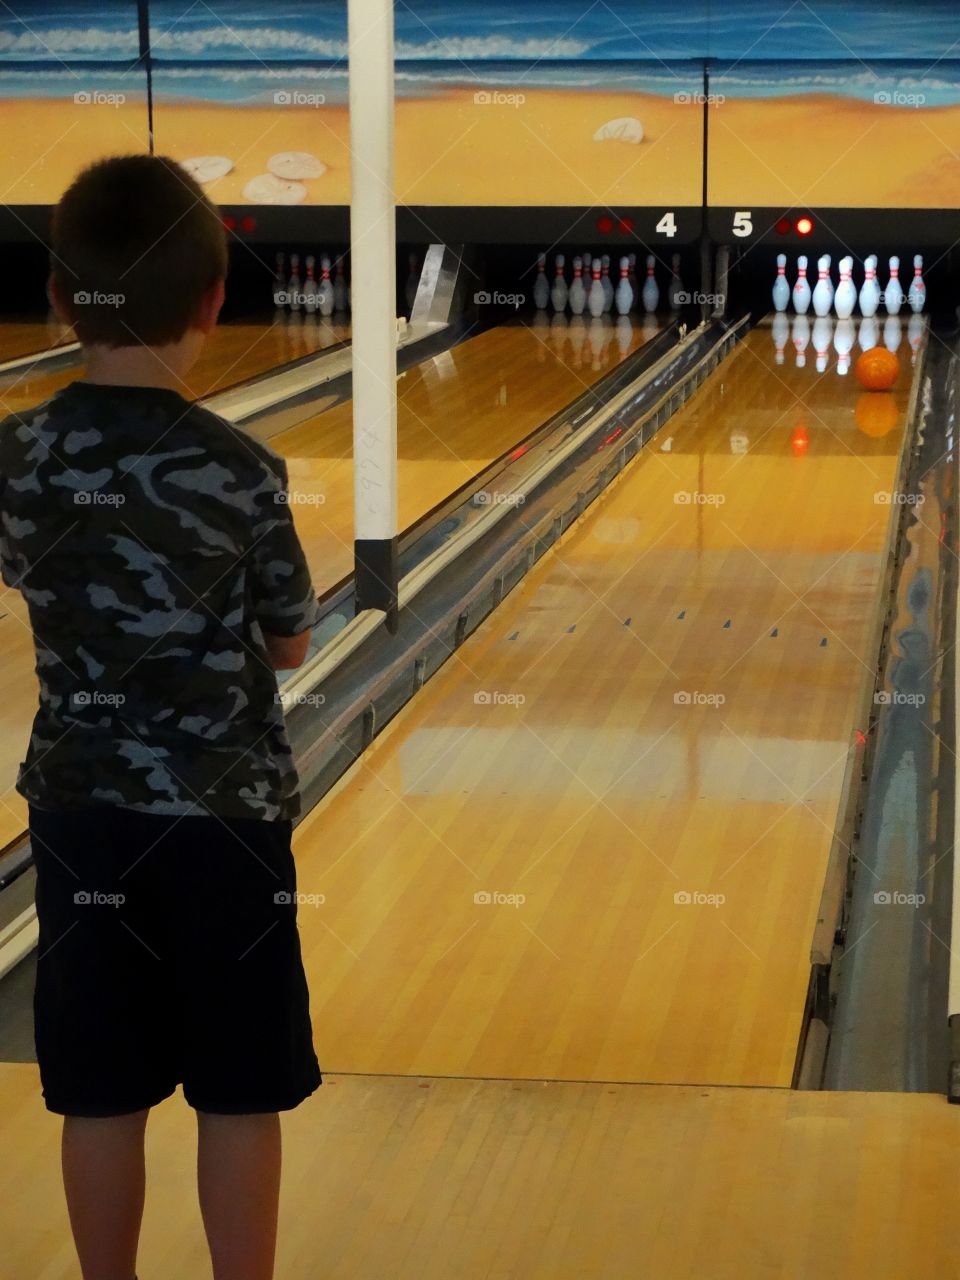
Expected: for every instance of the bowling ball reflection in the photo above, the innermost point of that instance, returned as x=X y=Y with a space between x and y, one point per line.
x=877 y=369
x=875 y=415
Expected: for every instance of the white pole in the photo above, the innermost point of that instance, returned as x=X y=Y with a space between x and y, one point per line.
x=374 y=257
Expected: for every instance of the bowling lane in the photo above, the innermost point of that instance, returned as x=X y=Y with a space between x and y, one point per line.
x=24 y=337
x=635 y=762
x=457 y=412
x=233 y=353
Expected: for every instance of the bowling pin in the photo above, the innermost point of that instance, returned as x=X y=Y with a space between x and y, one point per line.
x=632 y=274
x=893 y=293
x=843 y=336
x=781 y=289
x=340 y=288
x=606 y=282
x=293 y=284
x=781 y=332
x=823 y=291
x=676 y=285
x=822 y=333
x=310 y=287
x=595 y=298
x=869 y=290
x=801 y=337
x=577 y=296
x=651 y=290
x=845 y=298
x=541 y=288
x=801 y=290
x=624 y=294
x=917 y=293
x=558 y=294
x=325 y=291
x=279 y=282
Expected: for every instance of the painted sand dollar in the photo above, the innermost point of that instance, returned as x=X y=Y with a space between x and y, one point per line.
x=296 y=165
x=206 y=169
x=269 y=189
x=623 y=129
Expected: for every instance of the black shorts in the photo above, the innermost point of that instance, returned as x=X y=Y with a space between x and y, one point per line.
x=168 y=954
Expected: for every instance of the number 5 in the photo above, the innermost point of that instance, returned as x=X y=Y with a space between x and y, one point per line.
x=742 y=223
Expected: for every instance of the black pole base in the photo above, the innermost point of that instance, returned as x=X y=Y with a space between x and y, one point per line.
x=375 y=577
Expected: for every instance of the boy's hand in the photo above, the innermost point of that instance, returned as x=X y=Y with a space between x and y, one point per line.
x=287 y=652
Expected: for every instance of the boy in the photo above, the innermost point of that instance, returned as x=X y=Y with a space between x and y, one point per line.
x=165 y=584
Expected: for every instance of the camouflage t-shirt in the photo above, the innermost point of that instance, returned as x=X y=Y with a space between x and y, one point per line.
x=154 y=546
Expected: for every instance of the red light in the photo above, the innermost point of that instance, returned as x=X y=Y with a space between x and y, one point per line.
x=248 y=224
x=804 y=226
x=230 y=222
x=625 y=225
x=861 y=737
x=799 y=441
x=605 y=225
x=783 y=226
x=518 y=453
x=610 y=439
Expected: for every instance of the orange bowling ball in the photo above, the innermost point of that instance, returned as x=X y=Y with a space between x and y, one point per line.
x=877 y=369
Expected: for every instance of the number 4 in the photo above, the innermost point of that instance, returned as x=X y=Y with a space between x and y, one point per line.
x=667 y=226
x=742 y=223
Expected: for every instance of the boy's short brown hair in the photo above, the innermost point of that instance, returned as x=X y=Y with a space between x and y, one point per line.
x=136 y=245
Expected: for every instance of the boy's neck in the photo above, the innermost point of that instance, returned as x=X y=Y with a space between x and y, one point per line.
x=162 y=367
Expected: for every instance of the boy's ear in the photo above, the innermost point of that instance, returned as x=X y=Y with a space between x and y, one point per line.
x=209 y=307
x=53 y=297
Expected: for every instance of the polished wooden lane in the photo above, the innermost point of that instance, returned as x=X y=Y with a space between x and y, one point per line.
x=641 y=752
x=233 y=353
x=458 y=411
x=422 y=1179
x=25 y=337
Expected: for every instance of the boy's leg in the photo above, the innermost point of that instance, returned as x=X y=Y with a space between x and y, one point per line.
x=103 y=1176
x=238 y=1176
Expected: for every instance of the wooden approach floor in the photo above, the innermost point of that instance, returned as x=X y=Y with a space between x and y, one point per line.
x=25 y=337
x=424 y=1179
x=457 y=412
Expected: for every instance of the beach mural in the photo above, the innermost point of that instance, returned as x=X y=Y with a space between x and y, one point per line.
x=501 y=103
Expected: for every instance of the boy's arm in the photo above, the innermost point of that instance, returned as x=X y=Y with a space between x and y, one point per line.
x=284 y=601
